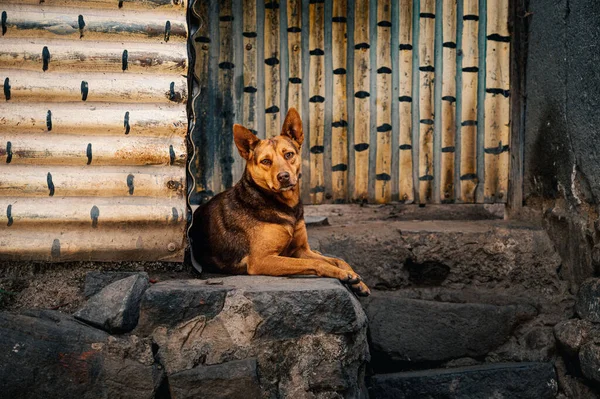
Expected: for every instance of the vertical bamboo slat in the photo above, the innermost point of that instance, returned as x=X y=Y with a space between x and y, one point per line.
x=383 y=192
x=497 y=103
x=272 y=78
x=448 y=101
x=339 y=129
x=225 y=89
x=362 y=112
x=405 y=102
x=294 y=16
x=316 y=100
x=204 y=187
x=250 y=60
x=426 y=72
x=470 y=60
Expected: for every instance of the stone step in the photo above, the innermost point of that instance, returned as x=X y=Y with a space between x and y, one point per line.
x=392 y=254
x=416 y=333
x=500 y=380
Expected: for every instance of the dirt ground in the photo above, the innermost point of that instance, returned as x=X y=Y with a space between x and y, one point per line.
x=29 y=285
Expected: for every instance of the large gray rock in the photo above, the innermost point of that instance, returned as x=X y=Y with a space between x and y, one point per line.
x=307 y=334
x=95 y=281
x=409 y=330
x=172 y=302
x=588 y=300
x=46 y=354
x=571 y=334
x=484 y=254
x=589 y=359
x=116 y=308
x=232 y=380
x=501 y=381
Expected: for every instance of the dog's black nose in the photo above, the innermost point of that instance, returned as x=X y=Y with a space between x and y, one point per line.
x=283 y=177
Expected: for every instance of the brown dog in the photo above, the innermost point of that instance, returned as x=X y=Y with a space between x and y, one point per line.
x=257 y=226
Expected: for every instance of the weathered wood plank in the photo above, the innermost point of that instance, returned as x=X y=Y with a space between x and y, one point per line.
x=497 y=103
x=383 y=186
x=448 y=101
x=272 y=73
x=426 y=100
x=470 y=60
x=225 y=95
x=405 y=102
x=362 y=109
x=294 y=34
x=339 y=130
x=179 y=6
x=317 y=100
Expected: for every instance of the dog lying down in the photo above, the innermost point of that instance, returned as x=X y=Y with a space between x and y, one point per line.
x=257 y=226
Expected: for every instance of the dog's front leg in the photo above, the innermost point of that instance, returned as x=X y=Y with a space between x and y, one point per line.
x=301 y=249
x=275 y=265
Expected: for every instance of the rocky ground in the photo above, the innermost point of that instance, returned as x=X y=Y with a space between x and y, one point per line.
x=462 y=302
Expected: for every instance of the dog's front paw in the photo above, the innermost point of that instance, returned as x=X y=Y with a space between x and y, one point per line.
x=350 y=278
x=360 y=289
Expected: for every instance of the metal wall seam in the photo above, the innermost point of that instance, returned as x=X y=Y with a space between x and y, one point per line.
x=93 y=130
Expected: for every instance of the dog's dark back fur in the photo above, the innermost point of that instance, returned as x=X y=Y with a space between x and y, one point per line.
x=220 y=237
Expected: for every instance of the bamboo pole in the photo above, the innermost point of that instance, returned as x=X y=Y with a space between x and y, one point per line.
x=405 y=102
x=272 y=73
x=316 y=100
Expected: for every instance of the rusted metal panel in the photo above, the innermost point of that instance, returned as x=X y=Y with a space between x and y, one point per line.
x=93 y=130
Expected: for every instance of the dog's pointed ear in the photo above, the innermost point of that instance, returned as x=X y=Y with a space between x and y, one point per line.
x=292 y=126
x=245 y=140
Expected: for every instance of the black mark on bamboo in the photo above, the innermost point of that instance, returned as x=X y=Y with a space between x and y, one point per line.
x=172 y=91
x=426 y=121
x=471 y=69
x=383 y=177
x=45 y=58
x=272 y=61
x=171 y=155
x=339 y=20
x=250 y=89
x=124 y=61
x=317 y=149
x=130 y=184
x=405 y=99
x=81 y=23
x=4 y=18
x=272 y=110
x=49 y=120
x=505 y=93
x=295 y=80
x=448 y=149
x=227 y=65
x=317 y=99
x=450 y=99
x=404 y=47
x=361 y=94
x=88 y=153
x=50 y=184
x=498 y=38
x=469 y=176
x=426 y=178
x=497 y=150
x=339 y=71
x=384 y=24
x=55 y=250
x=226 y=18
x=316 y=52
x=175 y=215
x=405 y=147
x=427 y=15
x=361 y=147
x=340 y=123
x=272 y=5
x=469 y=123
x=203 y=39
x=317 y=189
x=9 y=215
x=7 y=89
x=167 y=31
x=386 y=127
x=9 y=153
x=84 y=90
x=342 y=167
x=449 y=45
x=94 y=214
x=384 y=69
x=126 y=123
x=294 y=29
x=471 y=17
x=427 y=68
x=361 y=46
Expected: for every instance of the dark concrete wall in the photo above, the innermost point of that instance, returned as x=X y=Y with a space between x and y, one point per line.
x=562 y=133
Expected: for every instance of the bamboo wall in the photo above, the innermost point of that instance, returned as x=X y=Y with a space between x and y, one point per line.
x=93 y=130
x=402 y=100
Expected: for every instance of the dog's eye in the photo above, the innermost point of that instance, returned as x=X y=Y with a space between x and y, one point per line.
x=289 y=155
x=266 y=162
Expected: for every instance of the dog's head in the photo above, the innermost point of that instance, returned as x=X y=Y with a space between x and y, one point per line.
x=274 y=164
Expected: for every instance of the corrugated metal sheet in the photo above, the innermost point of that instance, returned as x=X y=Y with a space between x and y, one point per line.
x=402 y=100
x=93 y=130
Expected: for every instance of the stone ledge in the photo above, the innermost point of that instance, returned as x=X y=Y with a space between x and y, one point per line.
x=501 y=380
